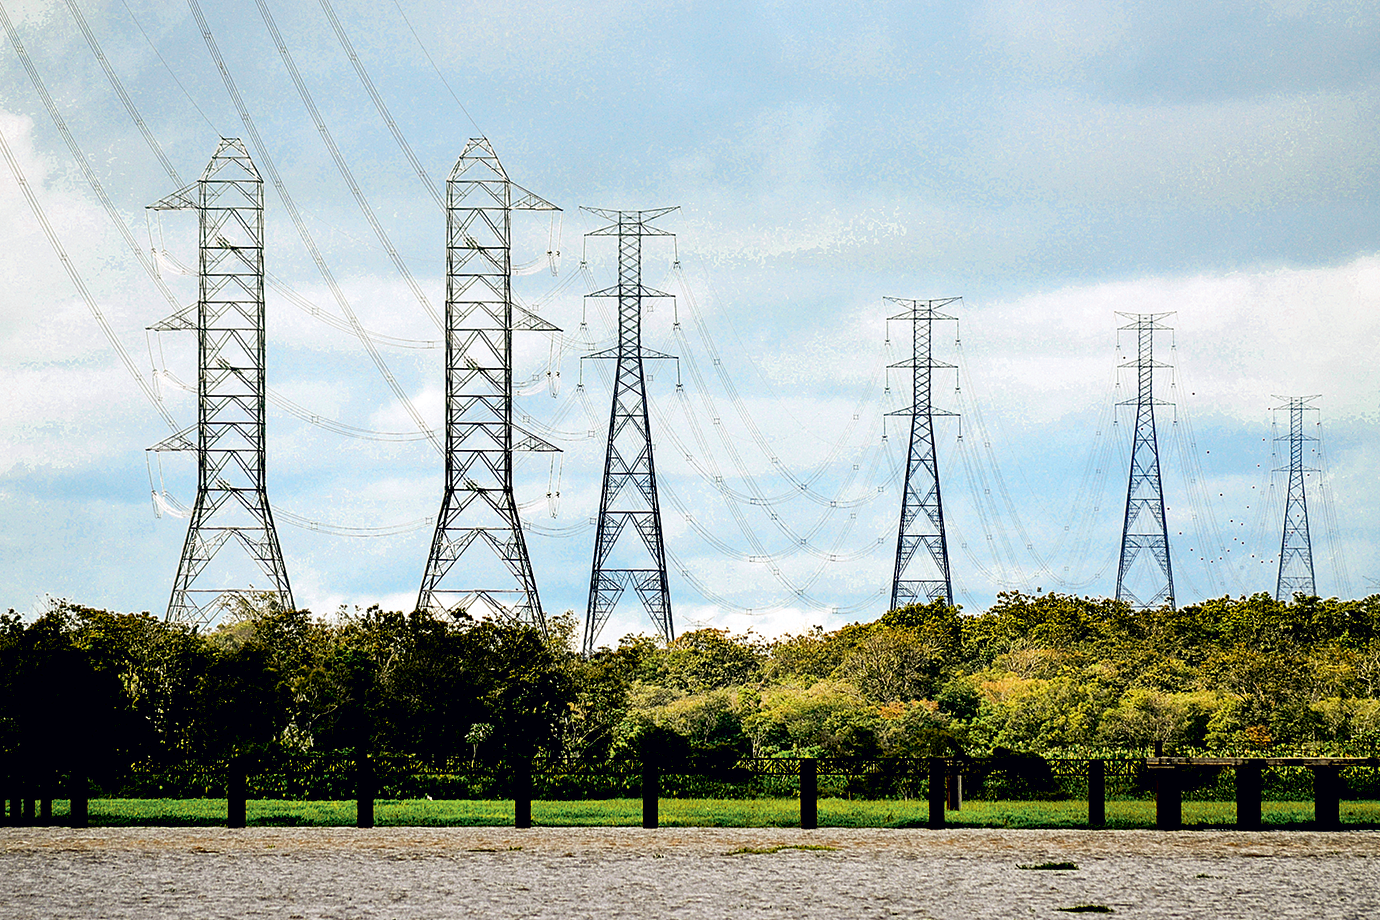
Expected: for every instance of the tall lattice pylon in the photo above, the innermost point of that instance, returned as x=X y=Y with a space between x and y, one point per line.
x=231 y=508
x=1145 y=577
x=1296 y=546
x=478 y=511
x=921 y=577
x=629 y=491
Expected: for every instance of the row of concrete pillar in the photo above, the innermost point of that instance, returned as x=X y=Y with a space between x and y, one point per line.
x=22 y=808
x=945 y=794
x=1327 y=795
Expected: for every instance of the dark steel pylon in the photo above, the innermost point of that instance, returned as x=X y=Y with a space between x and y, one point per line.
x=1144 y=534
x=920 y=578
x=629 y=491
x=1296 y=547
x=477 y=504
x=231 y=496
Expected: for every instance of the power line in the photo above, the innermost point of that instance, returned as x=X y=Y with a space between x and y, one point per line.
x=77 y=281
x=379 y=104
x=267 y=161
x=437 y=70
x=210 y=124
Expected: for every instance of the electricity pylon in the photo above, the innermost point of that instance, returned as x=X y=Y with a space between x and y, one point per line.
x=1296 y=547
x=231 y=495
x=1144 y=534
x=629 y=491
x=477 y=506
x=926 y=578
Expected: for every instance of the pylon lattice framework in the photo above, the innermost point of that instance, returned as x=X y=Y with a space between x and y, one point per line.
x=1296 y=546
x=927 y=578
x=477 y=505
x=1144 y=532
x=231 y=504
x=629 y=493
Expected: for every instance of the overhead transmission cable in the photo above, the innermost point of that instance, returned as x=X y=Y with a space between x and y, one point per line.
x=345 y=173
x=151 y=267
x=163 y=256
x=437 y=70
x=120 y=91
x=306 y=415
x=379 y=104
x=171 y=73
x=80 y=284
x=801 y=485
x=1336 y=551
x=276 y=283
x=761 y=555
x=291 y=207
x=392 y=125
x=1203 y=516
x=80 y=157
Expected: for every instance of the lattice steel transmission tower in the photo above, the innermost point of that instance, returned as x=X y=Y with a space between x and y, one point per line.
x=1144 y=534
x=921 y=577
x=478 y=510
x=1296 y=547
x=231 y=496
x=629 y=491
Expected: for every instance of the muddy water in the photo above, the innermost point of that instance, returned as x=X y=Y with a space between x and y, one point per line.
x=682 y=873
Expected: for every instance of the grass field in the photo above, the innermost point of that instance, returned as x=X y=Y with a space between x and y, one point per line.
x=692 y=813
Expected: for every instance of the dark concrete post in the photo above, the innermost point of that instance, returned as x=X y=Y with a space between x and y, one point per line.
x=27 y=816
x=522 y=794
x=1097 y=793
x=809 y=793
x=1327 y=795
x=16 y=809
x=1168 y=799
x=45 y=809
x=651 y=794
x=78 y=798
x=234 y=792
x=954 y=791
x=938 y=770
x=365 y=782
x=1249 y=783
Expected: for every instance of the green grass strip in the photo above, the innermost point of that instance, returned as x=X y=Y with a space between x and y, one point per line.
x=1131 y=814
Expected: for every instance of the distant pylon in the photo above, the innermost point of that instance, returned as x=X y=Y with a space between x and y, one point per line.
x=1296 y=547
x=1144 y=531
x=228 y=318
x=927 y=578
x=629 y=492
x=477 y=504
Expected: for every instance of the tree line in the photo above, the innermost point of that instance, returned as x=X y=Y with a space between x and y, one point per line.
x=1047 y=673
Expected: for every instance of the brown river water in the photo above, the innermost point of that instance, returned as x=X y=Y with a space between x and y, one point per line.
x=683 y=873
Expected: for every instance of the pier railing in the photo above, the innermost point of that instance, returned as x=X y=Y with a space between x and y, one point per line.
x=942 y=782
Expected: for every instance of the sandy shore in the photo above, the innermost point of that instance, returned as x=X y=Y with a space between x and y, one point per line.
x=680 y=872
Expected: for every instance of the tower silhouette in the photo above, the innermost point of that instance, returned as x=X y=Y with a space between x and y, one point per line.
x=1296 y=546
x=1144 y=577
x=478 y=513
x=921 y=577
x=231 y=507
x=629 y=493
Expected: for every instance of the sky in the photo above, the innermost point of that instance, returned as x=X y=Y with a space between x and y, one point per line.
x=1052 y=164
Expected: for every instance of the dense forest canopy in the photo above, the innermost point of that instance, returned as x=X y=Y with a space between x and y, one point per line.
x=1046 y=673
